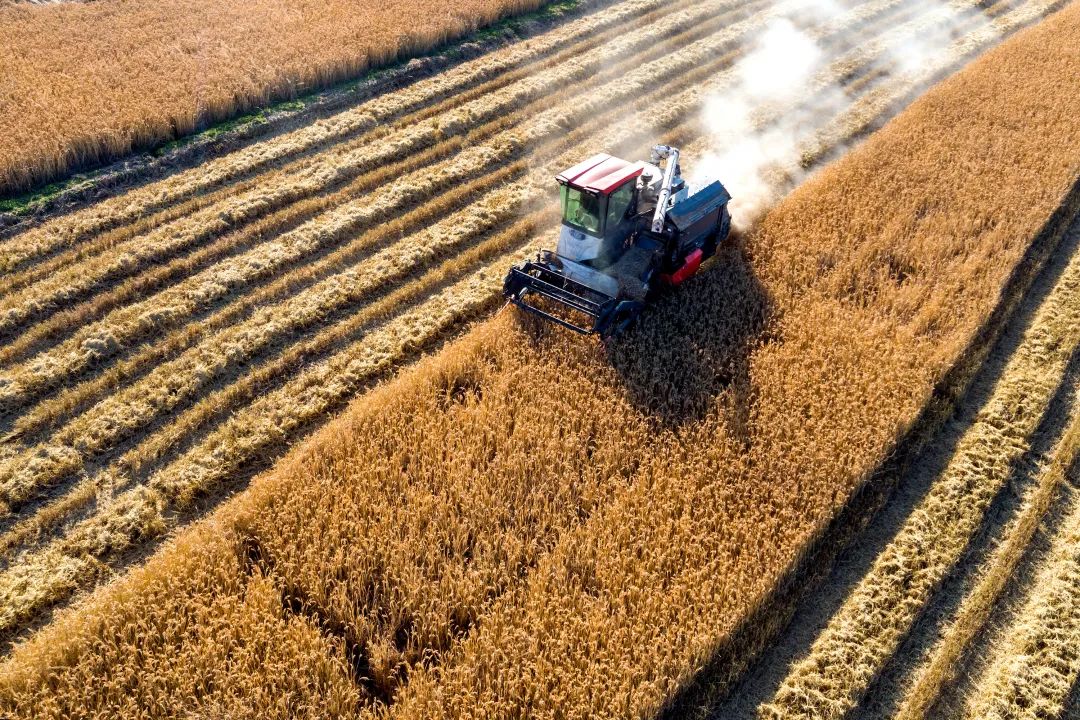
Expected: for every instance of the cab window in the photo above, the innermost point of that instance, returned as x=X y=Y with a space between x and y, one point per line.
x=618 y=202
x=582 y=209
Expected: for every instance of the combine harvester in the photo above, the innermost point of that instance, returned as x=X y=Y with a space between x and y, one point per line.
x=628 y=231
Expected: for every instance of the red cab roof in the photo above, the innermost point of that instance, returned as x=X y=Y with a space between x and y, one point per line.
x=601 y=173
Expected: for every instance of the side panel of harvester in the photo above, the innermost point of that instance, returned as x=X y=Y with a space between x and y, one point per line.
x=702 y=219
x=700 y=222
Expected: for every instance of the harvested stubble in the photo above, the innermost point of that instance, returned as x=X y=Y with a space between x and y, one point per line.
x=77 y=280
x=530 y=522
x=109 y=90
x=279 y=188
x=447 y=89
x=941 y=668
x=159 y=275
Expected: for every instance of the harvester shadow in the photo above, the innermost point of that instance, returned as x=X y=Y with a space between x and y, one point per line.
x=693 y=346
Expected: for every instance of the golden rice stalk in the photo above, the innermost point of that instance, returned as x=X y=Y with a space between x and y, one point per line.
x=95 y=105
x=864 y=633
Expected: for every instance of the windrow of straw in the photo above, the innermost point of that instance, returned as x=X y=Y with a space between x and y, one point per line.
x=943 y=665
x=1036 y=668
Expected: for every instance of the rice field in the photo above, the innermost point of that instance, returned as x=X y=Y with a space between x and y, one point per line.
x=530 y=523
x=89 y=82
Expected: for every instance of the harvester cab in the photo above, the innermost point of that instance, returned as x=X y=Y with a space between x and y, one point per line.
x=628 y=229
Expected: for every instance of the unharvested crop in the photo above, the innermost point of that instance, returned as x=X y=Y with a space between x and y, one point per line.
x=529 y=522
x=109 y=90
x=865 y=633
x=907 y=623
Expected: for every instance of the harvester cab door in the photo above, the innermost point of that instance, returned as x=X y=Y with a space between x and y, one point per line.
x=583 y=210
x=620 y=219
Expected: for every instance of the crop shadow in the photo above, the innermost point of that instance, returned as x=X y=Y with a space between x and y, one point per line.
x=694 y=345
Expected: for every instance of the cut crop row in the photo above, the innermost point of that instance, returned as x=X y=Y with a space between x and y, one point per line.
x=867 y=630
x=368 y=121
x=941 y=668
x=1036 y=668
